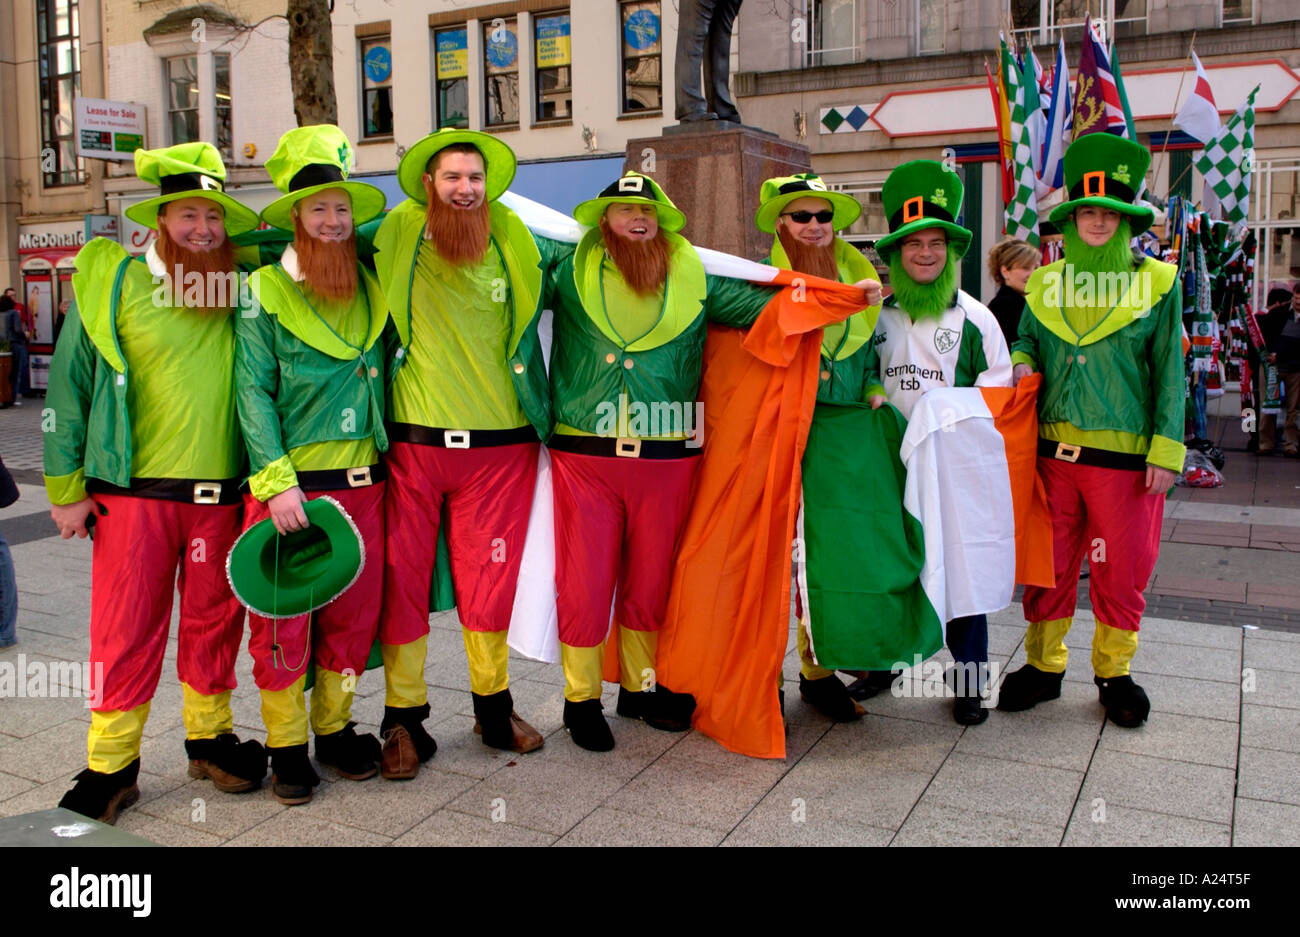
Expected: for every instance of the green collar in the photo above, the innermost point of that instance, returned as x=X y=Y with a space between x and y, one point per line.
x=280 y=296
x=848 y=336
x=684 y=291
x=1046 y=292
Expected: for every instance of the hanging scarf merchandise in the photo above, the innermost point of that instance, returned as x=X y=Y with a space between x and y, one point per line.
x=1203 y=324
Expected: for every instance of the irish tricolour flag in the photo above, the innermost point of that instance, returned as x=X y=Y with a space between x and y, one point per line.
x=906 y=526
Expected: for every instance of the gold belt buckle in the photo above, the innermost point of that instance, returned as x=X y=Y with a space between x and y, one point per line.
x=455 y=438
x=359 y=477
x=207 y=492
x=628 y=448
x=1068 y=453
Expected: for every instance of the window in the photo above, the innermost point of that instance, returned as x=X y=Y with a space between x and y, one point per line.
x=376 y=87
x=932 y=25
x=57 y=32
x=1040 y=21
x=221 y=68
x=451 y=80
x=183 y=98
x=1236 y=11
x=642 y=48
x=554 y=78
x=501 y=73
x=832 y=31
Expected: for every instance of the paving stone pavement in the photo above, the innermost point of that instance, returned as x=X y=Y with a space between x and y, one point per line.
x=1218 y=763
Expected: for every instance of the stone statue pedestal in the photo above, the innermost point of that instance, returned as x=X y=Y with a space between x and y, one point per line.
x=712 y=171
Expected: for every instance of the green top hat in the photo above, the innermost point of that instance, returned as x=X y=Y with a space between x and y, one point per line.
x=781 y=191
x=632 y=187
x=922 y=194
x=188 y=170
x=498 y=159
x=1105 y=170
x=312 y=159
x=282 y=576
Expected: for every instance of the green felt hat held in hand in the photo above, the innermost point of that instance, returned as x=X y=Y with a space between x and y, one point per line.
x=282 y=576
x=313 y=159
x=922 y=194
x=1105 y=170
x=632 y=187
x=499 y=162
x=187 y=170
x=781 y=191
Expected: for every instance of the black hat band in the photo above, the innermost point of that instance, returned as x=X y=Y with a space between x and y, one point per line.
x=315 y=174
x=798 y=185
x=916 y=208
x=1095 y=184
x=634 y=186
x=189 y=182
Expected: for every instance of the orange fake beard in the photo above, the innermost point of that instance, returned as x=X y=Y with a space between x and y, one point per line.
x=199 y=279
x=813 y=259
x=643 y=264
x=328 y=267
x=460 y=235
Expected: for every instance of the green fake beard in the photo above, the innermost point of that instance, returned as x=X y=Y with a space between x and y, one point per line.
x=1115 y=256
x=924 y=300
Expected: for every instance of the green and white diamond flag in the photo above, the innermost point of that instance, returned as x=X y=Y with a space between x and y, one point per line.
x=1022 y=211
x=1227 y=162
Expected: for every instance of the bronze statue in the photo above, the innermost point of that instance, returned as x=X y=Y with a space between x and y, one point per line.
x=701 y=23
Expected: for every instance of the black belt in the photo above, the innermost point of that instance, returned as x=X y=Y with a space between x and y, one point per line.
x=624 y=447
x=1086 y=455
x=459 y=438
x=336 y=479
x=185 y=490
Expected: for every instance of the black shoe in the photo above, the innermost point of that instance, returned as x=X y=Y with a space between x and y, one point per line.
x=356 y=757
x=586 y=724
x=501 y=727
x=1127 y=704
x=1027 y=687
x=292 y=776
x=669 y=711
x=830 y=697
x=412 y=719
x=876 y=680
x=969 y=711
x=235 y=767
x=634 y=704
x=103 y=796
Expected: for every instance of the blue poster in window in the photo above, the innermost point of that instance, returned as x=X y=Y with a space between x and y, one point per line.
x=641 y=30
x=502 y=48
x=378 y=64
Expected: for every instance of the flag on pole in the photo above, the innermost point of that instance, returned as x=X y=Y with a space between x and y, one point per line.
x=1035 y=116
x=999 y=110
x=1130 y=129
x=1199 y=115
x=1021 y=212
x=1057 y=134
x=1228 y=160
x=1097 y=107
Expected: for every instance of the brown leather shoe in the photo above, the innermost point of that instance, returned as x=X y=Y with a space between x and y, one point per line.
x=524 y=738
x=399 y=761
x=223 y=780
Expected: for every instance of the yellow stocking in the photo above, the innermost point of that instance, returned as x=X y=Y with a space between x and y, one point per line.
x=331 y=701
x=487 y=653
x=1045 y=644
x=404 y=684
x=636 y=658
x=114 y=738
x=205 y=717
x=583 y=667
x=807 y=666
x=284 y=713
x=1112 y=650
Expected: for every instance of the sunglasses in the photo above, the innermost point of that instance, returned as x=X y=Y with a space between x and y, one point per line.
x=803 y=217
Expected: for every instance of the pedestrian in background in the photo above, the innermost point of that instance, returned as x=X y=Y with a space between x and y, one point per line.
x=14 y=331
x=8 y=584
x=1011 y=261
x=1285 y=353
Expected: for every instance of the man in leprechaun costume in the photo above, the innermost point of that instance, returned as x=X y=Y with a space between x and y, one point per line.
x=932 y=334
x=805 y=217
x=1104 y=329
x=468 y=406
x=631 y=309
x=310 y=371
x=145 y=446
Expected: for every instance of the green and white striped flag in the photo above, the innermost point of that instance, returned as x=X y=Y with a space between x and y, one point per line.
x=1022 y=211
x=1227 y=162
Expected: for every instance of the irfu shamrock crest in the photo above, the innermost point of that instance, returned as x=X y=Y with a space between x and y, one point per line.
x=1121 y=173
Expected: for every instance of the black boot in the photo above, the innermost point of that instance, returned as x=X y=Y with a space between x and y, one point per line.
x=292 y=776
x=235 y=767
x=669 y=711
x=412 y=719
x=501 y=727
x=356 y=757
x=1126 y=703
x=586 y=724
x=865 y=688
x=830 y=697
x=1027 y=687
x=102 y=796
